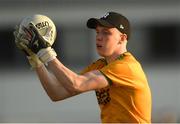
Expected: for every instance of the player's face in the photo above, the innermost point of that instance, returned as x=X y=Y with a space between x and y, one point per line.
x=107 y=40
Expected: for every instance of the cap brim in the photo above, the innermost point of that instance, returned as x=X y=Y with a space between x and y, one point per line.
x=93 y=23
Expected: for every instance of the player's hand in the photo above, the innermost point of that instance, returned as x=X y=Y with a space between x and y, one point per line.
x=36 y=41
x=40 y=44
x=21 y=43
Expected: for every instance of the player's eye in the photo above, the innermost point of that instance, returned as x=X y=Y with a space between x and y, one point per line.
x=106 y=32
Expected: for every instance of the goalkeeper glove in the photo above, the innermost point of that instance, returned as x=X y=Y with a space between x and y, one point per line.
x=40 y=44
x=21 y=44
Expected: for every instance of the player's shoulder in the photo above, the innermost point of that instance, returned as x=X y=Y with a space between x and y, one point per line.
x=95 y=65
x=122 y=61
x=126 y=57
x=100 y=61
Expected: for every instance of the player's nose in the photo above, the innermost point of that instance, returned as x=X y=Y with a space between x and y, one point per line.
x=99 y=38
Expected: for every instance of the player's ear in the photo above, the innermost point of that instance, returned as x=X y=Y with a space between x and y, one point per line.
x=123 y=37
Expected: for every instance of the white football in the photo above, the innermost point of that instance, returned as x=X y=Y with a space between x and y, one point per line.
x=42 y=24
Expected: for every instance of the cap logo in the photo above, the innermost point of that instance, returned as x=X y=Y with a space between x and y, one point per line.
x=105 y=15
x=121 y=27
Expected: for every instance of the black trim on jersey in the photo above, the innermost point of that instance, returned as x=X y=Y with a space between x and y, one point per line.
x=122 y=56
x=108 y=79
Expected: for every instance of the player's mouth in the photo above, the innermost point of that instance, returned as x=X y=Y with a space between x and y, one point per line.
x=98 y=46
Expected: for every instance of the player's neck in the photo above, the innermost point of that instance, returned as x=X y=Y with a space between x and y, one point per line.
x=115 y=55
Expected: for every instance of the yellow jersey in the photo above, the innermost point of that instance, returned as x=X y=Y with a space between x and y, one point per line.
x=127 y=98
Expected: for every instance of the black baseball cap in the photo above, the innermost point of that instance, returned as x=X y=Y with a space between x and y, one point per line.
x=111 y=20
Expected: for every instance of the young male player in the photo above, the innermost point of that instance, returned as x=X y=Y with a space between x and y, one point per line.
x=118 y=79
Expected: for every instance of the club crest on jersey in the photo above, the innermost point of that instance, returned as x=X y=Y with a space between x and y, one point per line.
x=103 y=96
x=42 y=25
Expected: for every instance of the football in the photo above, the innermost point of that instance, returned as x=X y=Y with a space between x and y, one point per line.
x=42 y=23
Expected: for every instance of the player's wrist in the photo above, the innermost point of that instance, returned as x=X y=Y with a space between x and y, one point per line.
x=46 y=55
x=34 y=61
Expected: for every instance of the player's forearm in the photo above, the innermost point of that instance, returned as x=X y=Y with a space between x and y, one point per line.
x=75 y=83
x=52 y=87
x=68 y=78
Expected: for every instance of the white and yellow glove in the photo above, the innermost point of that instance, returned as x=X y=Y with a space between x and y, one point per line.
x=39 y=44
x=21 y=43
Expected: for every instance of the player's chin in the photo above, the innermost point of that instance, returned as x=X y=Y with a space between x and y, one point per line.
x=101 y=53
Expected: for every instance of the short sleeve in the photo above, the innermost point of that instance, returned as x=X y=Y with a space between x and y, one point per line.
x=118 y=74
x=100 y=63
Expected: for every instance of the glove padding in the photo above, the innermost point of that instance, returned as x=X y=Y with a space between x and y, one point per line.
x=21 y=43
x=37 y=43
x=40 y=44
